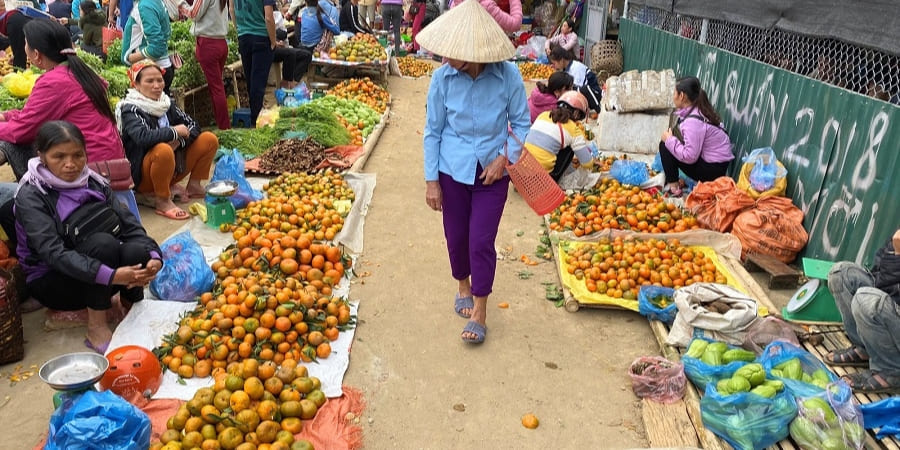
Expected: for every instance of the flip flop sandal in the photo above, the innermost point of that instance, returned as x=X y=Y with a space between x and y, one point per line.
x=871 y=382
x=479 y=330
x=175 y=213
x=847 y=357
x=101 y=349
x=461 y=303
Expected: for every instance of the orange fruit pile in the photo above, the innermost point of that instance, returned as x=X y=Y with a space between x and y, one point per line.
x=611 y=205
x=364 y=90
x=619 y=267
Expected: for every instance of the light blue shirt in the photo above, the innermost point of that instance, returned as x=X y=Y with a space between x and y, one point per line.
x=310 y=31
x=467 y=121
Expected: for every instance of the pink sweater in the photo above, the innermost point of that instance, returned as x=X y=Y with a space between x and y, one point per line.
x=566 y=41
x=539 y=102
x=509 y=22
x=58 y=96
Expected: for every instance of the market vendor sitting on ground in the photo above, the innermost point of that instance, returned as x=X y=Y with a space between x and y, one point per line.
x=72 y=272
x=555 y=138
x=163 y=143
x=473 y=102
x=869 y=302
x=703 y=151
x=584 y=79
x=566 y=38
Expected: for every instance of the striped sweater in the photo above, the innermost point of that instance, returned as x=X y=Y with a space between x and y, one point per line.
x=546 y=139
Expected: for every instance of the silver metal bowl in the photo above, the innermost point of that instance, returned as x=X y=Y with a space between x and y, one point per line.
x=223 y=188
x=74 y=371
x=318 y=86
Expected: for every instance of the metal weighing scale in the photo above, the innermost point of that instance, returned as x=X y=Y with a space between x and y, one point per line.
x=813 y=302
x=72 y=374
x=219 y=209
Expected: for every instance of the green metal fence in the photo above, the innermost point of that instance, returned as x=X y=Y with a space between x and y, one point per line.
x=841 y=149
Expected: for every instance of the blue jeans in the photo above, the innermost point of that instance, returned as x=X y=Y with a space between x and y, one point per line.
x=256 y=57
x=871 y=317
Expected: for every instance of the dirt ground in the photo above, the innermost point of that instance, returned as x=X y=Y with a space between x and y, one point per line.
x=423 y=386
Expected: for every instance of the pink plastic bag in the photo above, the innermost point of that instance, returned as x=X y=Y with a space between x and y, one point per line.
x=657 y=378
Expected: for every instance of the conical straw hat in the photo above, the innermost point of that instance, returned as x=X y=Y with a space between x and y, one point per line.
x=467 y=33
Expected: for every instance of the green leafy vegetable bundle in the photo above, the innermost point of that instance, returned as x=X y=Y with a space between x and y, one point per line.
x=317 y=121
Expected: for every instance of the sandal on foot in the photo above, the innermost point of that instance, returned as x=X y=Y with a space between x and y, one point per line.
x=462 y=303
x=175 y=213
x=848 y=357
x=872 y=382
x=479 y=330
x=101 y=349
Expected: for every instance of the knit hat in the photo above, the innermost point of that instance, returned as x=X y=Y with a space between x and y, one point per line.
x=467 y=33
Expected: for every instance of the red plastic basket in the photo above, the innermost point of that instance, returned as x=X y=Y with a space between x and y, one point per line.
x=534 y=183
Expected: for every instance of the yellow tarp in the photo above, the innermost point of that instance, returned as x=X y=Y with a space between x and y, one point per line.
x=583 y=295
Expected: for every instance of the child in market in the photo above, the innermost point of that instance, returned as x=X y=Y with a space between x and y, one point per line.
x=544 y=96
x=555 y=138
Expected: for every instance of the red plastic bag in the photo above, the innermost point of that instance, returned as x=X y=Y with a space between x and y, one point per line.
x=657 y=378
x=109 y=35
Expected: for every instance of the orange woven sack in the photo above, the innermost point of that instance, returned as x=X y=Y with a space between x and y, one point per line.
x=717 y=203
x=534 y=183
x=774 y=228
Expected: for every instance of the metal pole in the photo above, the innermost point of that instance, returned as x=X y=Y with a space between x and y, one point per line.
x=704 y=29
x=625 y=9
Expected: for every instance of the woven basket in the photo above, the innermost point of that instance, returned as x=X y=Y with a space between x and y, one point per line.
x=606 y=56
x=535 y=184
x=12 y=335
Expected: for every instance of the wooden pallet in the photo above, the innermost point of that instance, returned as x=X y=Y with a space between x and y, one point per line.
x=781 y=275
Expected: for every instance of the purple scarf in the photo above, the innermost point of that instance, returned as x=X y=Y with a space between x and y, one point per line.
x=41 y=177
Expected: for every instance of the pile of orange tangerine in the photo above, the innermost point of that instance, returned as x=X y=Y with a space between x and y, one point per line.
x=272 y=299
x=611 y=205
x=619 y=267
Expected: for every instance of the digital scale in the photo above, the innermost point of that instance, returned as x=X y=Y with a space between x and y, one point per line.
x=813 y=302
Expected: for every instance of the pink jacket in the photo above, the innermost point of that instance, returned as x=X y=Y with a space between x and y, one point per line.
x=511 y=22
x=566 y=41
x=539 y=102
x=58 y=96
x=701 y=140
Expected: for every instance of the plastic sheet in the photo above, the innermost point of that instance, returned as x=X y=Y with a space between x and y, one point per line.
x=98 y=420
x=884 y=414
x=830 y=419
x=652 y=311
x=185 y=274
x=747 y=421
x=657 y=378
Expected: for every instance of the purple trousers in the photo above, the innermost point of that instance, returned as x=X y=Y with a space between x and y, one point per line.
x=471 y=220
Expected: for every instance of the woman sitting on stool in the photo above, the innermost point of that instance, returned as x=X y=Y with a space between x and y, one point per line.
x=704 y=150
x=68 y=271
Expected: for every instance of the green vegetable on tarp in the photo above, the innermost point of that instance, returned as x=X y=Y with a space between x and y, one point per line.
x=696 y=349
x=753 y=373
x=251 y=142
x=738 y=354
x=318 y=122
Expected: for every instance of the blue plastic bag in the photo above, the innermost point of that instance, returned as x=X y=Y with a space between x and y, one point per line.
x=99 y=420
x=703 y=374
x=230 y=166
x=780 y=351
x=765 y=169
x=748 y=421
x=653 y=312
x=884 y=414
x=628 y=171
x=185 y=274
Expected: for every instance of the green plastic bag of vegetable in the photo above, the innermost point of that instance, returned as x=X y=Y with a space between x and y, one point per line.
x=748 y=421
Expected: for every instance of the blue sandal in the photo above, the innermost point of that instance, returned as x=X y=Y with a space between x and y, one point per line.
x=479 y=330
x=462 y=303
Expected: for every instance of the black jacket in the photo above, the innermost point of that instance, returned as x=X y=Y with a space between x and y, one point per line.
x=141 y=131
x=37 y=216
x=886 y=270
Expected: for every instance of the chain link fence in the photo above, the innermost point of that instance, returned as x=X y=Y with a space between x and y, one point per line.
x=869 y=72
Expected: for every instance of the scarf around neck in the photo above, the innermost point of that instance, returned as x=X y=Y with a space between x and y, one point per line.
x=41 y=177
x=156 y=108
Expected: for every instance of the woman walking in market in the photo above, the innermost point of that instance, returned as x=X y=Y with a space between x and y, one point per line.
x=255 y=21
x=210 y=28
x=703 y=151
x=474 y=102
